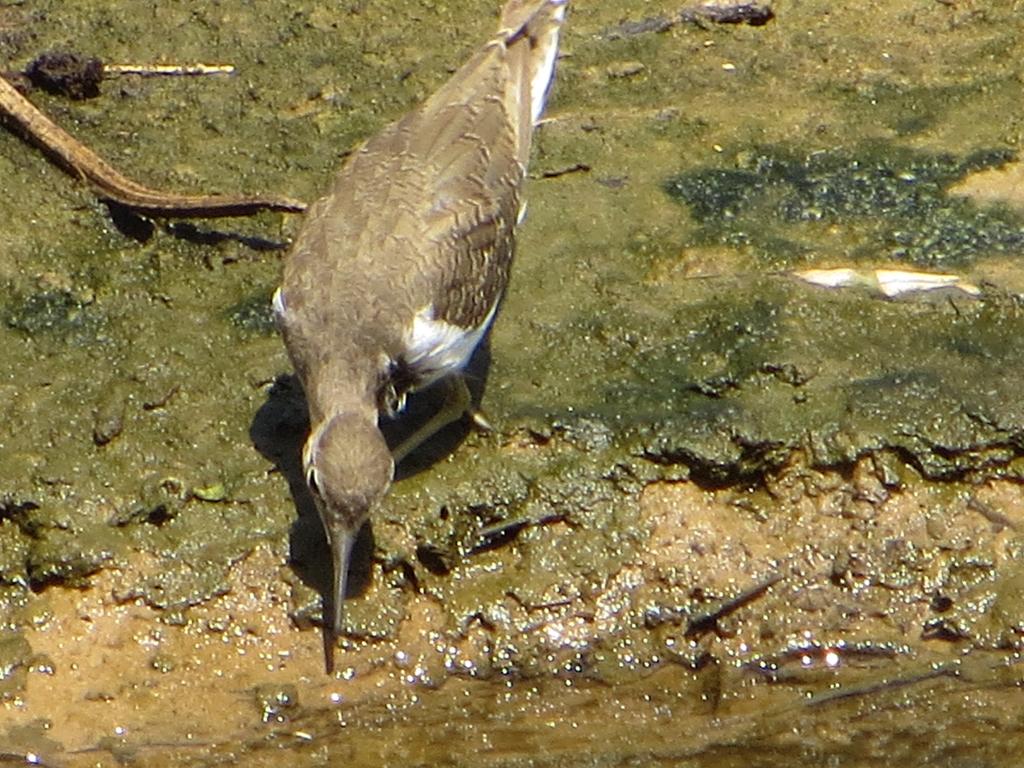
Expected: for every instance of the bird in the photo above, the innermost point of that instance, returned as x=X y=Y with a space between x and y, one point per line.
x=396 y=273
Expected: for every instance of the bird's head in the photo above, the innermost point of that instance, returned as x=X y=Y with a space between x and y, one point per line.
x=348 y=468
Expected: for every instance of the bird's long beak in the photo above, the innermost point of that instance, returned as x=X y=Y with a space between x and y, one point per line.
x=341 y=551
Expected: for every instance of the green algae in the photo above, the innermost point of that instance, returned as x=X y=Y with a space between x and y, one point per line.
x=57 y=314
x=892 y=200
x=501 y=530
x=253 y=314
x=613 y=366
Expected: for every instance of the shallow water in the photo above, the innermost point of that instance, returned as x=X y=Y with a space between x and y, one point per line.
x=707 y=475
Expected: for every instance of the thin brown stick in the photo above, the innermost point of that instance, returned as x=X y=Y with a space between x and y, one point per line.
x=164 y=70
x=81 y=161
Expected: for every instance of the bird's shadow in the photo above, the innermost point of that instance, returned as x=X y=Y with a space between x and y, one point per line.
x=278 y=431
x=141 y=229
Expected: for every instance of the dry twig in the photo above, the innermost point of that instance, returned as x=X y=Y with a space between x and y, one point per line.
x=82 y=162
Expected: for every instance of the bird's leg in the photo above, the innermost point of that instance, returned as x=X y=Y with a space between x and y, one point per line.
x=457 y=401
x=477 y=417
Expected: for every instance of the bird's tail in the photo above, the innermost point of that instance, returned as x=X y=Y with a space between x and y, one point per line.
x=530 y=30
x=494 y=99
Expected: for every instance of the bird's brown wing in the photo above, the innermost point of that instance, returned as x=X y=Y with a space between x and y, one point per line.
x=427 y=208
x=461 y=157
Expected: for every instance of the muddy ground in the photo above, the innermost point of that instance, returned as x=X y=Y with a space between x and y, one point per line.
x=726 y=516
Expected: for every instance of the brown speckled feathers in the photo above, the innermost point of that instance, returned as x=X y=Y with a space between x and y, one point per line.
x=424 y=213
x=397 y=272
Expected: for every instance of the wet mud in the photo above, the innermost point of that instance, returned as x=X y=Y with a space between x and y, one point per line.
x=725 y=515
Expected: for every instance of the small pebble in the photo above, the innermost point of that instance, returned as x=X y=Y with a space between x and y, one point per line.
x=274 y=701
x=108 y=418
x=212 y=492
x=625 y=69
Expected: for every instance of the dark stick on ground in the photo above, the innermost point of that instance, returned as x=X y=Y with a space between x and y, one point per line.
x=110 y=184
x=754 y=14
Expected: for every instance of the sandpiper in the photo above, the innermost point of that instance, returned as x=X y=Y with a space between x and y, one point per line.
x=396 y=274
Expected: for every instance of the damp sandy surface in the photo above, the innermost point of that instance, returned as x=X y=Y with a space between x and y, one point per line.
x=781 y=652
x=726 y=516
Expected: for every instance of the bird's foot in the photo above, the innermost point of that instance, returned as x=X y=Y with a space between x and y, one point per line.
x=479 y=420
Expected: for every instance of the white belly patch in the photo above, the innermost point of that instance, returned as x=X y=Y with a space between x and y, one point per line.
x=279 y=308
x=434 y=348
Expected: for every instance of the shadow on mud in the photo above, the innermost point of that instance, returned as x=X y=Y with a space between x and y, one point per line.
x=278 y=431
